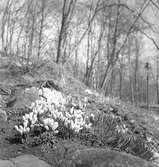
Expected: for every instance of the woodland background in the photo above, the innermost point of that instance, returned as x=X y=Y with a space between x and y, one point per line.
x=103 y=43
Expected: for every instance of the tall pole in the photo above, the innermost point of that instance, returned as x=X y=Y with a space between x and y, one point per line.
x=147 y=67
x=147 y=92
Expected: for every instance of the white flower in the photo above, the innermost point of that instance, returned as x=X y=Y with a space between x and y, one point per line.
x=118 y=129
x=31 y=115
x=72 y=110
x=21 y=129
x=54 y=126
x=40 y=111
x=26 y=117
x=78 y=112
x=149 y=139
x=85 y=99
x=89 y=91
x=88 y=126
x=79 y=120
x=48 y=122
x=68 y=115
x=17 y=129
x=32 y=105
x=25 y=124
x=46 y=127
x=27 y=130
x=92 y=116
x=34 y=119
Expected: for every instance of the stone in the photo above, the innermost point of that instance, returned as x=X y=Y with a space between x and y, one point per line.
x=6 y=163
x=26 y=97
x=107 y=158
x=29 y=161
x=24 y=161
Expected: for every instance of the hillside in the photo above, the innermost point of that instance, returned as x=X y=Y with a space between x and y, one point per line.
x=118 y=130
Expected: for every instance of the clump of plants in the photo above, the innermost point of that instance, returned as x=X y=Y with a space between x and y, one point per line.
x=122 y=135
x=55 y=112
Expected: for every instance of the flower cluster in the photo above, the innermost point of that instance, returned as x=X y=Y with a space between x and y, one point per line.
x=74 y=119
x=52 y=96
x=28 y=121
x=51 y=109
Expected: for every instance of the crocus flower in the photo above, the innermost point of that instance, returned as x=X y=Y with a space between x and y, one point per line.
x=53 y=106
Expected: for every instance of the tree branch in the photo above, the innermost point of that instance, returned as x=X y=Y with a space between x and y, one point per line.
x=131 y=27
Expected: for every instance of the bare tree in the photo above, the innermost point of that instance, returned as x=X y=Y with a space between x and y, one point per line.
x=67 y=12
x=115 y=52
x=41 y=26
x=111 y=57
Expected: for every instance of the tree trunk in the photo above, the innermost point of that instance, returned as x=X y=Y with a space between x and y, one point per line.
x=67 y=12
x=130 y=71
x=120 y=80
x=30 y=49
x=61 y=33
x=157 y=78
x=113 y=57
x=41 y=26
x=136 y=71
x=88 y=59
x=112 y=83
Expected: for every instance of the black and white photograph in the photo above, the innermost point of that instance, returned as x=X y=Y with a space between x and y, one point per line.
x=79 y=83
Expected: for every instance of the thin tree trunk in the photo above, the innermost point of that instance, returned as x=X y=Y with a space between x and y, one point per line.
x=120 y=80
x=41 y=26
x=113 y=57
x=61 y=33
x=67 y=13
x=111 y=83
x=157 y=78
x=3 y=26
x=88 y=59
x=130 y=71
x=76 y=55
x=30 y=49
x=136 y=71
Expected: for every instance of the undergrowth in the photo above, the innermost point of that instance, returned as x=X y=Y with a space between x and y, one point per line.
x=110 y=127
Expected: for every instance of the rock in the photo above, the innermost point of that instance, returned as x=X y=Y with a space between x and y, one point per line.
x=29 y=161
x=11 y=101
x=107 y=158
x=24 y=161
x=26 y=97
x=6 y=163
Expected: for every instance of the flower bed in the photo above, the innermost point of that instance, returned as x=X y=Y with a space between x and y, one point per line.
x=56 y=112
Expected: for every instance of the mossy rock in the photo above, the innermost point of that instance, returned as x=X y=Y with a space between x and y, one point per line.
x=96 y=157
